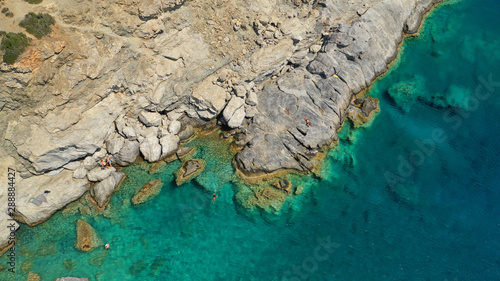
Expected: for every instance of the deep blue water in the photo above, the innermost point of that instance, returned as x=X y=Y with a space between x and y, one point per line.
x=414 y=196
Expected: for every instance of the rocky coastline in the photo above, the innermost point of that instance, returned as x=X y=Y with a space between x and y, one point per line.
x=138 y=82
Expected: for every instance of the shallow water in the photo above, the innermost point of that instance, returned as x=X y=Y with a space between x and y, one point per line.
x=412 y=197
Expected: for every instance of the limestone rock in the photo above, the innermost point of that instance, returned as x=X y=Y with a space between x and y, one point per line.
x=73 y=165
x=150 y=118
x=174 y=127
x=34 y=205
x=49 y=150
x=208 y=99
x=147 y=192
x=129 y=133
x=240 y=91
x=189 y=169
x=186 y=133
x=252 y=98
x=149 y=9
x=103 y=190
x=80 y=173
x=234 y=113
x=99 y=174
x=86 y=237
x=169 y=145
x=89 y=163
x=114 y=143
x=128 y=153
x=151 y=149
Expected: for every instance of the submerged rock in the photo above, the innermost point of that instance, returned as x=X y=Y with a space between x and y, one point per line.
x=147 y=192
x=157 y=167
x=185 y=152
x=26 y=266
x=285 y=185
x=362 y=110
x=189 y=170
x=33 y=276
x=86 y=237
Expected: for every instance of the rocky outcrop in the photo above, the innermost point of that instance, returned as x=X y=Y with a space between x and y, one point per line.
x=208 y=99
x=53 y=141
x=189 y=170
x=147 y=192
x=39 y=197
x=101 y=192
x=356 y=53
x=362 y=110
x=86 y=237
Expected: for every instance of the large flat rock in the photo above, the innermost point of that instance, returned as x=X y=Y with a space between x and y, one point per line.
x=34 y=206
x=50 y=150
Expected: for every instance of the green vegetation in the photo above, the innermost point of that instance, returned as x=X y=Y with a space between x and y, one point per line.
x=5 y=10
x=34 y=1
x=38 y=24
x=13 y=45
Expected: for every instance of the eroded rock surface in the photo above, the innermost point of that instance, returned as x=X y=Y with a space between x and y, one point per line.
x=86 y=237
x=147 y=192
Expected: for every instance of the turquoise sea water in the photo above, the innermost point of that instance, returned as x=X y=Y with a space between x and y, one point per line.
x=412 y=197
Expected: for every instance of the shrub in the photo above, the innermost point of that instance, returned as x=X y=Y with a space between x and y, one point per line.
x=5 y=10
x=34 y=1
x=13 y=45
x=37 y=24
x=9 y=14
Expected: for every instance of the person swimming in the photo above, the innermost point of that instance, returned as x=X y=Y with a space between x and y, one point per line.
x=214 y=196
x=106 y=246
